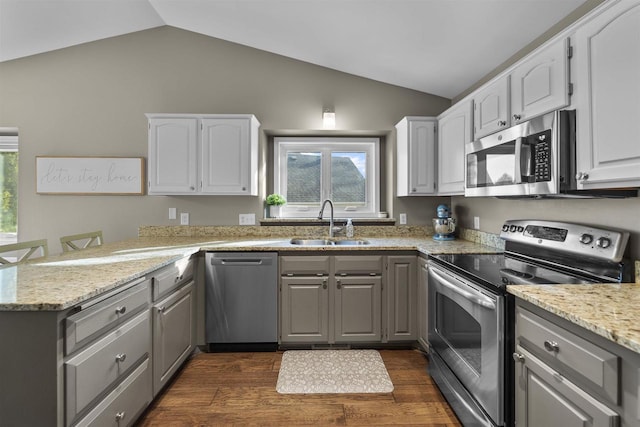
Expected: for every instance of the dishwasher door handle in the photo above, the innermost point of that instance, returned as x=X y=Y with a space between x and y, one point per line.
x=237 y=261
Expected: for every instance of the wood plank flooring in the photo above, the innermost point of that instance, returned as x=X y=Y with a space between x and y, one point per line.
x=240 y=389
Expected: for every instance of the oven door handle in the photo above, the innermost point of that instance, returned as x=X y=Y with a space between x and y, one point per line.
x=476 y=298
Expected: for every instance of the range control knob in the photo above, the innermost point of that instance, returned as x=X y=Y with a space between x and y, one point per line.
x=505 y=227
x=586 y=239
x=603 y=242
x=513 y=228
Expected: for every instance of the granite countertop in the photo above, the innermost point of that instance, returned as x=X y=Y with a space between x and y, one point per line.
x=61 y=281
x=609 y=310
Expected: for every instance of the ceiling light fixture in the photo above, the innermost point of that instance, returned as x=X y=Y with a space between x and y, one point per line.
x=328 y=119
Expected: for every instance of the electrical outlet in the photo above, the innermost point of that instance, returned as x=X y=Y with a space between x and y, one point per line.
x=403 y=218
x=247 y=219
x=172 y=213
x=476 y=222
x=184 y=218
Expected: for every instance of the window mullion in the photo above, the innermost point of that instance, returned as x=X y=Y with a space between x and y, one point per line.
x=325 y=181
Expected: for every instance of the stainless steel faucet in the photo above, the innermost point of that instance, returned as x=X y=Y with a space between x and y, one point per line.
x=332 y=229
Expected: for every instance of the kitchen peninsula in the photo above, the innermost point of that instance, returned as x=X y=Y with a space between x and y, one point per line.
x=38 y=298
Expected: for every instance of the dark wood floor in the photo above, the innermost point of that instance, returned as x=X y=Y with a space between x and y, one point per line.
x=240 y=389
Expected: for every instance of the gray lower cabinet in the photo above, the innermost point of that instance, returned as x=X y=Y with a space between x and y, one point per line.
x=330 y=299
x=568 y=376
x=402 y=298
x=423 y=304
x=174 y=320
x=327 y=299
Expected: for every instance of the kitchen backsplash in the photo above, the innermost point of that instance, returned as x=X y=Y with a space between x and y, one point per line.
x=475 y=236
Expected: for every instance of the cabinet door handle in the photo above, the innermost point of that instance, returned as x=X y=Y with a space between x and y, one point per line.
x=551 y=346
x=120 y=416
x=517 y=357
x=121 y=357
x=121 y=310
x=338 y=285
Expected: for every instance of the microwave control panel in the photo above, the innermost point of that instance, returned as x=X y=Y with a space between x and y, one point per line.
x=542 y=155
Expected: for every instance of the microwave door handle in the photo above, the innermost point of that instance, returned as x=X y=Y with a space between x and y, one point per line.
x=518 y=161
x=478 y=299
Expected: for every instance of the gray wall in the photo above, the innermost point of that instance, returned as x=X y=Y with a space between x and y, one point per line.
x=90 y=100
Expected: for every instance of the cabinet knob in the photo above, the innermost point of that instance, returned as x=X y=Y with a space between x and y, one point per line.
x=502 y=123
x=413 y=190
x=551 y=346
x=121 y=310
x=244 y=188
x=192 y=188
x=121 y=357
x=517 y=116
x=162 y=309
x=582 y=176
x=120 y=416
x=338 y=284
x=324 y=284
x=517 y=357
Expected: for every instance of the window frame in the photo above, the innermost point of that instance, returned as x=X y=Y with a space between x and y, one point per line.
x=9 y=144
x=327 y=145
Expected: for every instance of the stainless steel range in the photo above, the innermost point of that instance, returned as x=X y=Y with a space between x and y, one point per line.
x=471 y=314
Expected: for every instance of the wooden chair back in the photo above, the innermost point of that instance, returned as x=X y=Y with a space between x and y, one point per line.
x=23 y=251
x=76 y=242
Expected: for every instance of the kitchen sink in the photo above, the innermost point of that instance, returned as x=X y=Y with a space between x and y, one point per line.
x=326 y=242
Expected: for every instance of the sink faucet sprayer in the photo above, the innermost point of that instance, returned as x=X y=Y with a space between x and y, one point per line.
x=332 y=229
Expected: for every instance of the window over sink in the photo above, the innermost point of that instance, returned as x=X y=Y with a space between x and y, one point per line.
x=311 y=169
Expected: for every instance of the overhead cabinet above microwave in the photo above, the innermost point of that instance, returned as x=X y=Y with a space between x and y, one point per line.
x=212 y=154
x=537 y=85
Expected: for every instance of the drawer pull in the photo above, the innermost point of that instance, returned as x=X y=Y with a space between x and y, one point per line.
x=121 y=357
x=121 y=310
x=120 y=416
x=551 y=346
x=517 y=357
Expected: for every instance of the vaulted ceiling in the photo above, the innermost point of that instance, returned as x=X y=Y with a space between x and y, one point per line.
x=434 y=46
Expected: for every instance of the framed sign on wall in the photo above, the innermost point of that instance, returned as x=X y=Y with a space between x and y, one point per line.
x=90 y=175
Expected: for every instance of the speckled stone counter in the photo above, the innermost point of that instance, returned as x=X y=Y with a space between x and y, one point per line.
x=62 y=281
x=609 y=310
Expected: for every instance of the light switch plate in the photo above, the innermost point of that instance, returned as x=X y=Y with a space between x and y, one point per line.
x=172 y=213
x=247 y=219
x=403 y=218
x=476 y=222
x=184 y=218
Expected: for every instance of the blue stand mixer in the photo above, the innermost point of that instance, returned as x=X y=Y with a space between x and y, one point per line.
x=444 y=226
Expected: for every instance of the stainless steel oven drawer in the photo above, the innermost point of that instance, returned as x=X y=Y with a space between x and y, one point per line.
x=569 y=354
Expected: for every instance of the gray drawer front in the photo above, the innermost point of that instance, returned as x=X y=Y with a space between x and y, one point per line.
x=88 y=324
x=169 y=278
x=360 y=264
x=305 y=265
x=574 y=354
x=125 y=403
x=94 y=369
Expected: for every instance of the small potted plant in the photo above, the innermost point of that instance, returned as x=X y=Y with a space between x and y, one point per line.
x=274 y=201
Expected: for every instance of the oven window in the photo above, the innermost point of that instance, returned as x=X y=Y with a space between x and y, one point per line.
x=461 y=331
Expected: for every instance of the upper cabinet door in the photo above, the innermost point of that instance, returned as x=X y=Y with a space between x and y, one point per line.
x=416 y=156
x=454 y=131
x=541 y=83
x=491 y=108
x=608 y=98
x=172 y=162
x=229 y=156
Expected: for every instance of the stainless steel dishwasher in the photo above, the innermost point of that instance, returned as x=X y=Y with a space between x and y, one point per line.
x=241 y=301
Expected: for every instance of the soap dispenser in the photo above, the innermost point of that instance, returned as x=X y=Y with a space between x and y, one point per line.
x=349 y=228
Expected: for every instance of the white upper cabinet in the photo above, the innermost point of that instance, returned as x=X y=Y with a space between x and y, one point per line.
x=415 y=149
x=203 y=154
x=608 y=98
x=536 y=85
x=455 y=129
x=491 y=108
x=172 y=162
x=540 y=83
x=230 y=156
